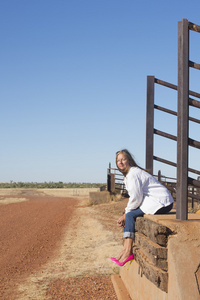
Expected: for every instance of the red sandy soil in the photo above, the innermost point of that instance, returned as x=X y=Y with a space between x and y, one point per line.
x=30 y=233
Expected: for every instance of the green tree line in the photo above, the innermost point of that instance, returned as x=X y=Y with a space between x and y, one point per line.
x=49 y=185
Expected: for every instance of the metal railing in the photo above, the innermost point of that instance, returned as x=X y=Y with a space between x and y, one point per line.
x=183 y=118
x=115 y=180
x=183 y=182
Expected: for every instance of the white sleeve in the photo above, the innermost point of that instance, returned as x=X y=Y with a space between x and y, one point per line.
x=134 y=188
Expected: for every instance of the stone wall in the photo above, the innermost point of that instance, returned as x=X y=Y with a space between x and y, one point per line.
x=167 y=259
x=150 y=251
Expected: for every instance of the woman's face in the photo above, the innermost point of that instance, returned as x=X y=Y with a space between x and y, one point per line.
x=122 y=163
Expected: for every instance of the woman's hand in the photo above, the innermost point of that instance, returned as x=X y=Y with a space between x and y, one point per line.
x=121 y=221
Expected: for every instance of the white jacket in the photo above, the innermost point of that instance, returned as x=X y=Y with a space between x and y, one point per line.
x=145 y=192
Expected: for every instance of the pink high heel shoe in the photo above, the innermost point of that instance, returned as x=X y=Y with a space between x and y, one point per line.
x=130 y=258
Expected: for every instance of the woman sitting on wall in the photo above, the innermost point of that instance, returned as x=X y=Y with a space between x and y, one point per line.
x=146 y=196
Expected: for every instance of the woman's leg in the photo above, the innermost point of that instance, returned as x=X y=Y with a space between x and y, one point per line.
x=126 y=251
x=164 y=210
x=129 y=229
x=129 y=232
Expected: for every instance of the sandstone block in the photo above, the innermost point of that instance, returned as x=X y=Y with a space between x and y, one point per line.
x=156 y=232
x=154 y=274
x=156 y=254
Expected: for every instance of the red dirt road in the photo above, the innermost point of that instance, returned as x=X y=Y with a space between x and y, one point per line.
x=29 y=234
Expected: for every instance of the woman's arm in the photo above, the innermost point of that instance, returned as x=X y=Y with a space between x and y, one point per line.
x=135 y=191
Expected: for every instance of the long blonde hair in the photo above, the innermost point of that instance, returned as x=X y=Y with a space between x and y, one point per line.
x=129 y=157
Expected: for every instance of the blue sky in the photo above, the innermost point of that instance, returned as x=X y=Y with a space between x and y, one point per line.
x=73 y=84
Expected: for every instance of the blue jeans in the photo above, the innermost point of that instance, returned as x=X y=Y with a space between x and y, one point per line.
x=129 y=229
x=164 y=210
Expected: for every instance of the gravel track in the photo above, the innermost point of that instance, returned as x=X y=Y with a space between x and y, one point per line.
x=57 y=248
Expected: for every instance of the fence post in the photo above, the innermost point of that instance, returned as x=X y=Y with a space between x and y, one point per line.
x=149 y=124
x=182 y=121
x=110 y=180
x=159 y=176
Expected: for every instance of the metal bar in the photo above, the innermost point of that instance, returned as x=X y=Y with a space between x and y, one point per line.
x=149 y=123
x=194 y=103
x=193 y=196
x=166 y=177
x=114 y=169
x=174 y=87
x=169 y=111
x=164 y=134
x=159 y=175
x=194 y=171
x=108 y=183
x=194 y=65
x=112 y=182
x=194 y=120
x=183 y=108
x=165 y=83
x=194 y=182
x=194 y=94
x=193 y=143
x=168 y=162
x=193 y=27
x=164 y=161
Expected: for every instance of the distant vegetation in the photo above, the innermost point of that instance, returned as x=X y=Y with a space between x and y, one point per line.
x=49 y=185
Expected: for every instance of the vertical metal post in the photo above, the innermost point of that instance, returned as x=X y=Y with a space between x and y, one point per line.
x=159 y=176
x=149 y=124
x=112 y=181
x=192 y=198
x=182 y=121
x=108 y=178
